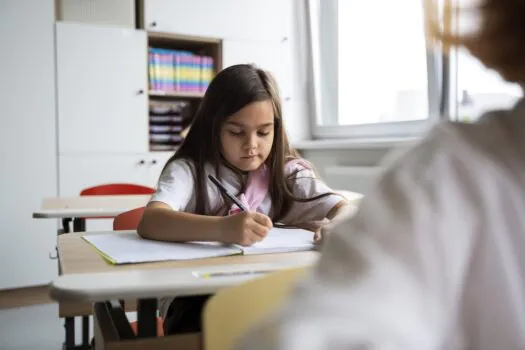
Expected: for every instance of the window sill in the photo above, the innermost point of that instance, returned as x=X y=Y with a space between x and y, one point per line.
x=372 y=143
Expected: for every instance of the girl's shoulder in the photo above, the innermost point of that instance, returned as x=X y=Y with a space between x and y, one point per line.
x=179 y=167
x=296 y=164
x=189 y=167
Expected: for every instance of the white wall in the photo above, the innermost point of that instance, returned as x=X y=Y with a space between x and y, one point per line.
x=347 y=169
x=28 y=141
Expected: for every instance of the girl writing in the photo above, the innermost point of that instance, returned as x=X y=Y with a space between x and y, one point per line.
x=237 y=136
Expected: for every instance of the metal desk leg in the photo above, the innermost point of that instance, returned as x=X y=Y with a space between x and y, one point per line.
x=147 y=318
x=85 y=332
x=65 y=224
x=79 y=225
x=69 y=324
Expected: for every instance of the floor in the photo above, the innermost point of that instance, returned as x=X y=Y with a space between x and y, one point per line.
x=31 y=328
x=37 y=328
x=12 y=298
x=29 y=321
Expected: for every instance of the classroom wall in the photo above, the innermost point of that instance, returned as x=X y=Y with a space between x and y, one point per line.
x=27 y=140
x=28 y=135
x=29 y=132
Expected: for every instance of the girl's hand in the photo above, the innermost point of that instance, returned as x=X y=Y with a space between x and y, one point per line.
x=344 y=213
x=245 y=228
x=318 y=236
x=315 y=227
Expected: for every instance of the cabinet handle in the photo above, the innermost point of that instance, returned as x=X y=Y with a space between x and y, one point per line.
x=288 y=98
x=284 y=39
x=142 y=162
x=154 y=161
x=153 y=24
x=140 y=92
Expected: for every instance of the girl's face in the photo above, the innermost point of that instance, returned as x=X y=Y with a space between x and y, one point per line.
x=247 y=136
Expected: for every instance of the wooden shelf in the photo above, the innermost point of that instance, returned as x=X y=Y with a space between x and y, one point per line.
x=181 y=39
x=177 y=94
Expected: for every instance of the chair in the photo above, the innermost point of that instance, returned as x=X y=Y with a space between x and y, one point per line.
x=116 y=189
x=128 y=220
x=230 y=312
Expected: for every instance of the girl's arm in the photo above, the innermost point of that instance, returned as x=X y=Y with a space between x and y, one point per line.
x=160 y=222
x=165 y=219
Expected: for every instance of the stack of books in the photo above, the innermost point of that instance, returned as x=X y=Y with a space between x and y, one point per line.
x=178 y=71
x=166 y=120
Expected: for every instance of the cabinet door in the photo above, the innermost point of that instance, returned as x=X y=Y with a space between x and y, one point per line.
x=80 y=171
x=155 y=163
x=273 y=57
x=102 y=85
x=269 y=20
x=28 y=143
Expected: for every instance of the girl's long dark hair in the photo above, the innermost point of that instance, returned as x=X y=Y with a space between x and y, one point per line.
x=232 y=89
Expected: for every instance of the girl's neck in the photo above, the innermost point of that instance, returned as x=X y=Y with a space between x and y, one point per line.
x=230 y=166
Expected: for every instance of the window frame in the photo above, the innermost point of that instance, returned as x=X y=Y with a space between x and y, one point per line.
x=438 y=75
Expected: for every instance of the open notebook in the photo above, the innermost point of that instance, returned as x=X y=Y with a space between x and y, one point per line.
x=128 y=247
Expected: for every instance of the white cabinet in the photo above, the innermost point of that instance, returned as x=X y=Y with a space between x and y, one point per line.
x=81 y=171
x=27 y=140
x=102 y=89
x=273 y=57
x=269 y=20
x=106 y=12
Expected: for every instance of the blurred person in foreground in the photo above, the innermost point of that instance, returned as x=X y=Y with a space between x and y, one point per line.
x=434 y=258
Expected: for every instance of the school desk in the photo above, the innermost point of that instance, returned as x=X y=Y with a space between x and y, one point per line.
x=87 y=278
x=77 y=209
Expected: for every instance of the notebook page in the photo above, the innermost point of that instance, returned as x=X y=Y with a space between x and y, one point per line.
x=129 y=247
x=282 y=240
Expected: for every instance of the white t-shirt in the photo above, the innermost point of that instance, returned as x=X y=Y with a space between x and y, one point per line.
x=177 y=189
x=433 y=259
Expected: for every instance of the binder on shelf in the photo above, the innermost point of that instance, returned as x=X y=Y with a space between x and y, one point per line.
x=178 y=71
x=166 y=123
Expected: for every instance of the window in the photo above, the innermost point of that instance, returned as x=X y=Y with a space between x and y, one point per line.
x=374 y=77
x=479 y=89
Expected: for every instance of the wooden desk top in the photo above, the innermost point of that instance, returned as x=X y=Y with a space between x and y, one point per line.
x=89 y=206
x=78 y=256
x=87 y=277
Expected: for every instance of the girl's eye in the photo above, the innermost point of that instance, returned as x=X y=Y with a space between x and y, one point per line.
x=235 y=133
x=263 y=133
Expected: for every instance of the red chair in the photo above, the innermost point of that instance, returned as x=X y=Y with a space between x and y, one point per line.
x=129 y=220
x=113 y=190
x=116 y=189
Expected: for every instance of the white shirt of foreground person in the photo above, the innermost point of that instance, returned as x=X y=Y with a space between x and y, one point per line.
x=434 y=259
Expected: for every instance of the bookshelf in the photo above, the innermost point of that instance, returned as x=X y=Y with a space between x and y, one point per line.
x=180 y=68
x=176 y=94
